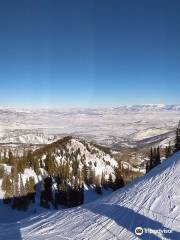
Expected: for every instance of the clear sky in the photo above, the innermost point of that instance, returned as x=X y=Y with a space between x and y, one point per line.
x=89 y=53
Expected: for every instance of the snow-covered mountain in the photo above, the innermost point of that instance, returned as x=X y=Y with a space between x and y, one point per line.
x=68 y=151
x=22 y=136
x=151 y=202
x=150 y=107
x=120 y=127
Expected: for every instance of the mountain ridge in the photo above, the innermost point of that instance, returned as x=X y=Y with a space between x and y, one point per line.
x=120 y=107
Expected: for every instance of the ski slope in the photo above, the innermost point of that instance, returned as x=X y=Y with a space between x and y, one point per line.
x=151 y=202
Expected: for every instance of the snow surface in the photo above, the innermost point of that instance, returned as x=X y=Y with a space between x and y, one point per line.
x=151 y=202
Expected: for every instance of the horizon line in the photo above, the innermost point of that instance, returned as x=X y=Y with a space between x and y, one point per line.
x=85 y=107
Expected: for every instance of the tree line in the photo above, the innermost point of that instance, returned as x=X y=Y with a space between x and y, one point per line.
x=155 y=155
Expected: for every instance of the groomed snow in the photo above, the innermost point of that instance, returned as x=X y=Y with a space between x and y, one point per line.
x=153 y=201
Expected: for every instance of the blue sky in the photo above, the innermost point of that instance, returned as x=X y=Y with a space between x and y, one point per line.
x=89 y=53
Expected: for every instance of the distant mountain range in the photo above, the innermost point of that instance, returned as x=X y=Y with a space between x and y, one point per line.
x=118 y=127
x=137 y=107
x=151 y=107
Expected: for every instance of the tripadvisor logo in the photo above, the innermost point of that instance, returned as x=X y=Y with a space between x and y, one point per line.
x=139 y=231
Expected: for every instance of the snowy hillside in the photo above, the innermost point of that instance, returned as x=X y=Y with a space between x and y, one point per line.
x=68 y=162
x=66 y=149
x=152 y=202
x=25 y=136
x=126 y=126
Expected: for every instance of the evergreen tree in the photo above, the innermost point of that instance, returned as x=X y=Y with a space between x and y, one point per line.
x=22 y=190
x=29 y=158
x=119 y=182
x=15 y=186
x=22 y=200
x=110 y=181
x=177 y=140
x=2 y=171
x=10 y=158
x=155 y=159
x=85 y=173
x=91 y=175
x=20 y=165
x=147 y=166
x=98 y=187
x=151 y=160
x=67 y=171
x=168 y=151
x=44 y=198
x=5 y=156
x=30 y=188
x=154 y=156
x=81 y=198
x=103 y=181
x=6 y=187
x=63 y=193
x=158 y=157
x=75 y=166
x=35 y=165
x=48 y=188
x=50 y=164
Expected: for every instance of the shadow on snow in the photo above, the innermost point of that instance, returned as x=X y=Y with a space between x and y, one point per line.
x=130 y=220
